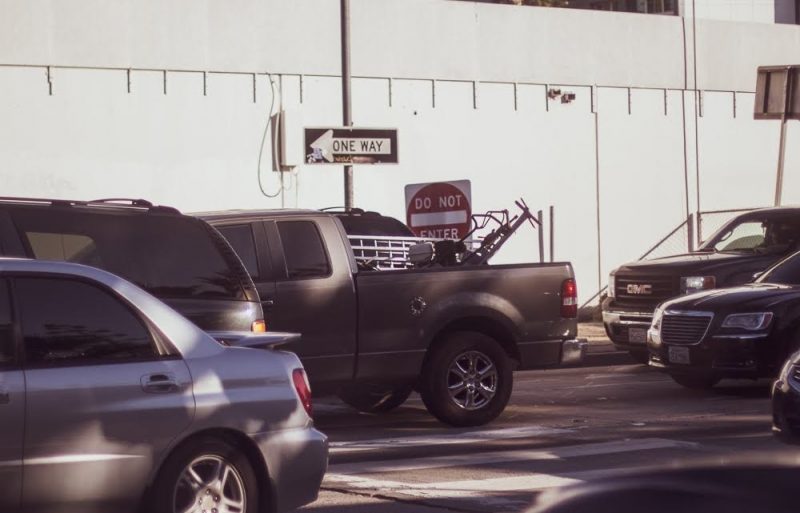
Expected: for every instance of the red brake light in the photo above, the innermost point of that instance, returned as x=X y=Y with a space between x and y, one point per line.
x=303 y=389
x=569 y=299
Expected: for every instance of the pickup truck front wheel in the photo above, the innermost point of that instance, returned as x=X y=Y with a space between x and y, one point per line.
x=375 y=398
x=467 y=379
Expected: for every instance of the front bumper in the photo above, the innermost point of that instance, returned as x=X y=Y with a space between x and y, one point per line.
x=296 y=463
x=628 y=330
x=720 y=356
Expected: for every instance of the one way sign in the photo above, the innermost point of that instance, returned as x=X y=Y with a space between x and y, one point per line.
x=351 y=145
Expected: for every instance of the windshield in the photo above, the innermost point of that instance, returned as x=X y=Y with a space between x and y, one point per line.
x=775 y=235
x=786 y=272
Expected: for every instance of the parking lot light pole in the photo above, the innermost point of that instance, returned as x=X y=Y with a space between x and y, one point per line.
x=346 y=111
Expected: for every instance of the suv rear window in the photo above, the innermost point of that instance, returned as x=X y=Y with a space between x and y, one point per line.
x=174 y=257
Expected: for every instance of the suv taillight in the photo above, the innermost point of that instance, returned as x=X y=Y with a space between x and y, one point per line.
x=258 y=326
x=303 y=389
x=569 y=299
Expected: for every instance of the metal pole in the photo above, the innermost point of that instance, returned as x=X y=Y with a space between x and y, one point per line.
x=540 y=218
x=346 y=111
x=552 y=237
x=782 y=144
x=690 y=232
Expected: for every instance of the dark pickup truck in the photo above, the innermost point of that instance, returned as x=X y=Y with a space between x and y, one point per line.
x=736 y=254
x=453 y=333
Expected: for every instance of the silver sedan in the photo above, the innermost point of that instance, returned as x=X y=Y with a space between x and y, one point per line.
x=110 y=401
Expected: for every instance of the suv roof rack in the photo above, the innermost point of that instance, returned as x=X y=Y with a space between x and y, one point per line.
x=119 y=202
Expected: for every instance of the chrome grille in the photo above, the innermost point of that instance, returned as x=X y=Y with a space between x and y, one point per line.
x=684 y=328
x=660 y=288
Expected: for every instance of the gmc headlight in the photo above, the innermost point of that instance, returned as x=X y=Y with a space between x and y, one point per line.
x=748 y=321
x=611 y=286
x=691 y=284
x=658 y=315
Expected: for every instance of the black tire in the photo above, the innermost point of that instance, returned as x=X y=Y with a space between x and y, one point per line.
x=369 y=398
x=695 y=382
x=437 y=377
x=640 y=357
x=171 y=491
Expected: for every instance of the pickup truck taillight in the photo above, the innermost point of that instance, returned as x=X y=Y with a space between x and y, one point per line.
x=303 y=389
x=569 y=299
x=258 y=326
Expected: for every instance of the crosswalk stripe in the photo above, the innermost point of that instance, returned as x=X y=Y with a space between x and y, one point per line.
x=449 y=438
x=553 y=453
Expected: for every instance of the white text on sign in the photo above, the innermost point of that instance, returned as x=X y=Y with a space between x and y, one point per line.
x=452 y=201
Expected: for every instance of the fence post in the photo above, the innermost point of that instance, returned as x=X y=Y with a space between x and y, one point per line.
x=690 y=231
x=540 y=218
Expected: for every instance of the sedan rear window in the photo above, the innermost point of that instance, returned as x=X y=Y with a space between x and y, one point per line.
x=170 y=256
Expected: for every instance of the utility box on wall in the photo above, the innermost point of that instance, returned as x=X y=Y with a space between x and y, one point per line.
x=777 y=92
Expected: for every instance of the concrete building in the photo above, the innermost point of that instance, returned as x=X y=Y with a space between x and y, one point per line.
x=170 y=100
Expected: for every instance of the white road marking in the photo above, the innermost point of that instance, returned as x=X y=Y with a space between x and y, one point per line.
x=474 y=488
x=453 y=437
x=554 y=453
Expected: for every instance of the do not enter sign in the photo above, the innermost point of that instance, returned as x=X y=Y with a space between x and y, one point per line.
x=439 y=210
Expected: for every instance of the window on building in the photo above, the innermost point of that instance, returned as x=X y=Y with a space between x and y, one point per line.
x=303 y=249
x=69 y=322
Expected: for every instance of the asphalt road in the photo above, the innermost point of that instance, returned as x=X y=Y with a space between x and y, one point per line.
x=562 y=426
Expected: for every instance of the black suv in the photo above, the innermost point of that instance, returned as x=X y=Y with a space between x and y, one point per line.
x=179 y=259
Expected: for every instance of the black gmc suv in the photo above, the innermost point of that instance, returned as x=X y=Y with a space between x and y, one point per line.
x=739 y=251
x=180 y=259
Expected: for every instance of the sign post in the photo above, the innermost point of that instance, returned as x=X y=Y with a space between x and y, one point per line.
x=778 y=97
x=441 y=210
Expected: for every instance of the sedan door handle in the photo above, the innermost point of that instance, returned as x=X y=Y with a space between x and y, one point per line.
x=159 y=383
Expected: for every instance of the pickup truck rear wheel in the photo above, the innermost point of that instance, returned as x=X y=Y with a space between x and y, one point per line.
x=375 y=398
x=467 y=379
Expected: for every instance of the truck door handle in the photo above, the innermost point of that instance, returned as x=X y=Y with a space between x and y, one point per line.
x=268 y=302
x=159 y=383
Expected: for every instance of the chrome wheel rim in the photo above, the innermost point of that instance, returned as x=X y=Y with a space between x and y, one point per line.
x=209 y=484
x=472 y=380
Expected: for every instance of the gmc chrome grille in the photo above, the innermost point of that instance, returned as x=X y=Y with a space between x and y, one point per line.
x=684 y=329
x=645 y=289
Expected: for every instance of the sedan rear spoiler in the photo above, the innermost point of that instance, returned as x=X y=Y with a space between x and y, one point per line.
x=250 y=339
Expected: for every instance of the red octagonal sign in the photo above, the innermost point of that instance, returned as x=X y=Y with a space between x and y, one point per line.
x=439 y=210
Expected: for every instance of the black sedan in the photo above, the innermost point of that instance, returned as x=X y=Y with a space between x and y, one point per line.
x=741 y=332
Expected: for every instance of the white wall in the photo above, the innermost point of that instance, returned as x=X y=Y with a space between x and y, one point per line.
x=465 y=84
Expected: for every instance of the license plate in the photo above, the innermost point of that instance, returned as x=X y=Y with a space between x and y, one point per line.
x=679 y=355
x=637 y=336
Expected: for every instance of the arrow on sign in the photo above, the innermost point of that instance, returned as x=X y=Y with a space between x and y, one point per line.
x=324 y=144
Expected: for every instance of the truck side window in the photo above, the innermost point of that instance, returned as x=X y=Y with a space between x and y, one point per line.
x=303 y=249
x=6 y=326
x=240 y=237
